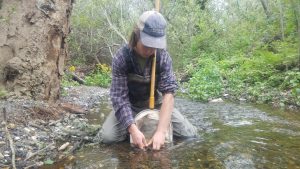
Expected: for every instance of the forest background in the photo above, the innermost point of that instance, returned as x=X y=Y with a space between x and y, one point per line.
x=242 y=50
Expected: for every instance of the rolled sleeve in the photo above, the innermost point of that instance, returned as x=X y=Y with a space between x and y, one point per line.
x=119 y=91
x=167 y=82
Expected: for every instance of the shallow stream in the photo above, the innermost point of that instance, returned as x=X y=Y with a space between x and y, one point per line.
x=231 y=136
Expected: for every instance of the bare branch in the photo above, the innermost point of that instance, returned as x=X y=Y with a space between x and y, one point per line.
x=114 y=28
x=11 y=143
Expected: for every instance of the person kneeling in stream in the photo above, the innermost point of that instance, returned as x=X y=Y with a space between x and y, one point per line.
x=130 y=88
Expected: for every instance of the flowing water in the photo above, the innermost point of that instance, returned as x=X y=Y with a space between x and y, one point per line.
x=231 y=136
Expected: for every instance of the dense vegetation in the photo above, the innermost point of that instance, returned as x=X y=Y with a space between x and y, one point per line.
x=239 y=49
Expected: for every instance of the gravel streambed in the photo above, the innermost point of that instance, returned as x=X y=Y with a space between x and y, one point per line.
x=41 y=133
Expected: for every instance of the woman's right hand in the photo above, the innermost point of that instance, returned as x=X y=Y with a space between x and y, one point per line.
x=138 y=137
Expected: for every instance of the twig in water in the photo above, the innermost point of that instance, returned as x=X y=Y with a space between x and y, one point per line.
x=76 y=146
x=30 y=166
x=39 y=151
x=11 y=143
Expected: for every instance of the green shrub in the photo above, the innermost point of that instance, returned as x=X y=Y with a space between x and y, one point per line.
x=100 y=77
x=291 y=80
x=67 y=81
x=206 y=82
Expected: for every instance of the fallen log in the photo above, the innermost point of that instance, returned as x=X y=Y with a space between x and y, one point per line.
x=77 y=78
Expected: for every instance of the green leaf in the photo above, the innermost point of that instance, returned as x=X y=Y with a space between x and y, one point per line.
x=281 y=104
x=48 y=162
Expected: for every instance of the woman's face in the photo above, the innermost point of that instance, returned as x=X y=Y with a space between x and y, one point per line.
x=143 y=51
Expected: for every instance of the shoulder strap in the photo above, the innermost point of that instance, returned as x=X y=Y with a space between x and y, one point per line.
x=128 y=58
x=158 y=61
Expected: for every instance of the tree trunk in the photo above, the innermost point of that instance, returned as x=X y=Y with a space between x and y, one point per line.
x=281 y=19
x=33 y=46
x=296 y=8
x=298 y=27
x=266 y=8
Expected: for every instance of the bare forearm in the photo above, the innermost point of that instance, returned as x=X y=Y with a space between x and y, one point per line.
x=165 y=112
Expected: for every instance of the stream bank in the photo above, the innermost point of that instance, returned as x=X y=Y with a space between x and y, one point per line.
x=43 y=133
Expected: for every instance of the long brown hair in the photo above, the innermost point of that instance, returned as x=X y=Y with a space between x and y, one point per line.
x=134 y=37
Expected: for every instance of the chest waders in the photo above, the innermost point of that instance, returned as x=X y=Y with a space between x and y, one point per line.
x=139 y=85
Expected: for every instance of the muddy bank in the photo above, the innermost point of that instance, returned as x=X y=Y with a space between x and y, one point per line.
x=43 y=133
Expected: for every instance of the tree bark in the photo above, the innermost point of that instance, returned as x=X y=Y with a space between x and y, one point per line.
x=266 y=8
x=32 y=46
x=281 y=19
x=296 y=8
x=298 y=27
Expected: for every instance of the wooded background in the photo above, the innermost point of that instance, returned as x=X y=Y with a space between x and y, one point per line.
x=245 y=49
x=248 y=49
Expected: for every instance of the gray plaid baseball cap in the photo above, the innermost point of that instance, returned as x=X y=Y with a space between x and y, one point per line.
x=152 y=26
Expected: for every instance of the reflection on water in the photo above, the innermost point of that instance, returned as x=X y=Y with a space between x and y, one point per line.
x=232 y=136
